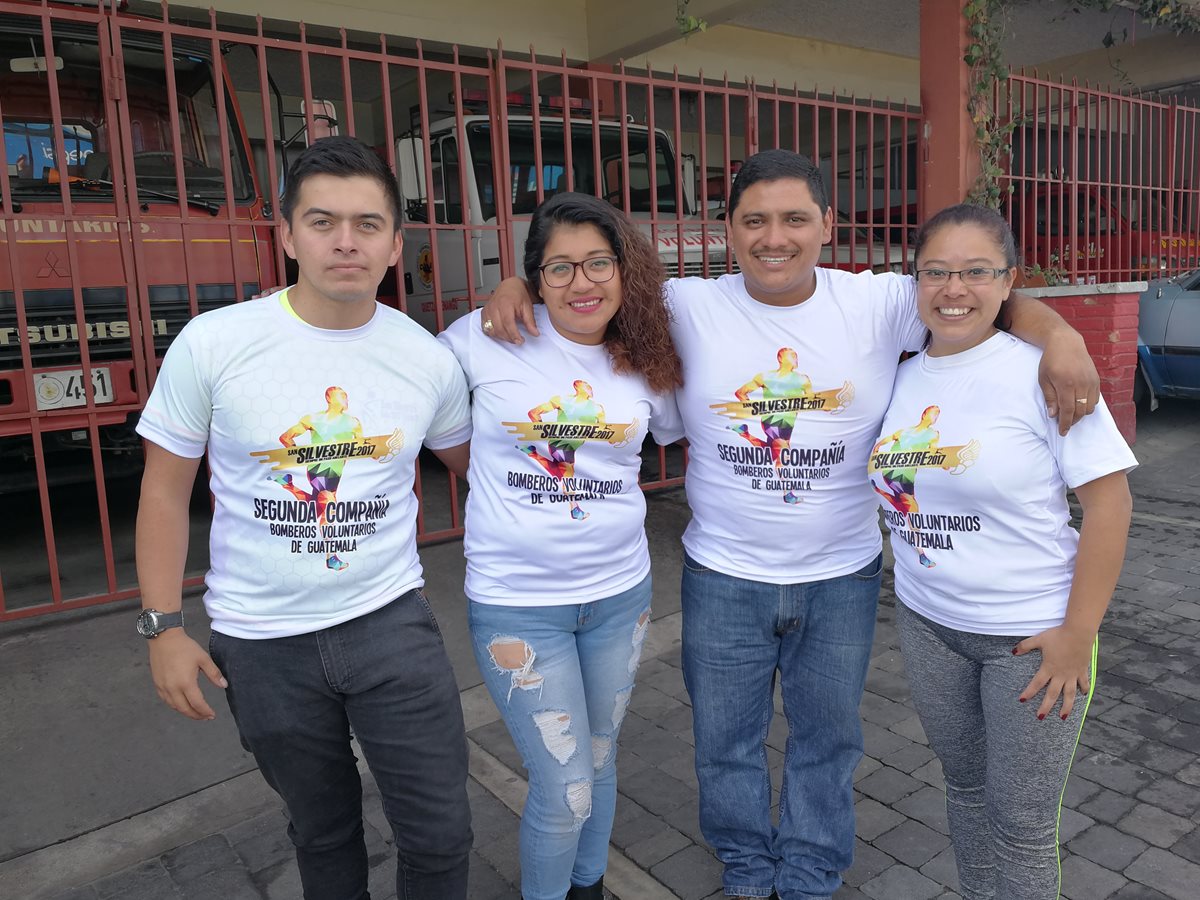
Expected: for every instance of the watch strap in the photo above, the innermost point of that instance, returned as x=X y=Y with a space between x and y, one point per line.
x=170 y=620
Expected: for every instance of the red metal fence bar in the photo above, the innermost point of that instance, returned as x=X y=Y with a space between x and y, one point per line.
x=158 y=175
x=1101 y=185
x=36 y=248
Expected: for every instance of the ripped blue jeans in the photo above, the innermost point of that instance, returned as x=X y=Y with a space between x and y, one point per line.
x=561 y=677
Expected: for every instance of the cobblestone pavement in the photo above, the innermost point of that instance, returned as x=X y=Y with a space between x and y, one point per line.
x=1131 y=818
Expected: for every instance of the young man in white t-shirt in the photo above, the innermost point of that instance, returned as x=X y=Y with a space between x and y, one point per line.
x=788 y=369
x=312 y=404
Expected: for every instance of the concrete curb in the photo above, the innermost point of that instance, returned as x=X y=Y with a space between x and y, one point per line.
x=79 y=861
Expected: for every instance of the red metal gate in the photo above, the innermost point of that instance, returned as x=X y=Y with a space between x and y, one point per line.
x=139 y=172
x=1104 y=186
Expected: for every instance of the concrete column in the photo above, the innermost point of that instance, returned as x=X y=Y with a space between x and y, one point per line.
x=949 y=158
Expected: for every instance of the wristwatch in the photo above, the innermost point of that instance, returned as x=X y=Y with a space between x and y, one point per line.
x=151 y=623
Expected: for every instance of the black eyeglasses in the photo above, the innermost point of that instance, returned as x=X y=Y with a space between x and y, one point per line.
x=596 y=269
x=974 y=275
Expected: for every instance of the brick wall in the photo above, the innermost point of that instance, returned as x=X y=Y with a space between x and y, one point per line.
x=1107 y=317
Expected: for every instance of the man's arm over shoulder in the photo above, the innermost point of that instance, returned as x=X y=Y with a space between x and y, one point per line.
x=1067 y=375
x=509 y=310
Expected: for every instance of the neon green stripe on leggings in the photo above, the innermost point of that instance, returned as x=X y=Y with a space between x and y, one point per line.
x=1086 y=706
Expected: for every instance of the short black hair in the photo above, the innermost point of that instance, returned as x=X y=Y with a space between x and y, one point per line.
x=773 y=165
x=983 y=217
x=344 y=157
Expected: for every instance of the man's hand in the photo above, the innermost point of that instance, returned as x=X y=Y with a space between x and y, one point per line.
x=510 y=306
x=1068 y=378
x=175 y=661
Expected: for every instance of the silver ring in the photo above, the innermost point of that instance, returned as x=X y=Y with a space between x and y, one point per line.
x=1080 y=400
x=487 y=329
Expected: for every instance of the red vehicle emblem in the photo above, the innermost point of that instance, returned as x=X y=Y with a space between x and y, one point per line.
x=54 y=266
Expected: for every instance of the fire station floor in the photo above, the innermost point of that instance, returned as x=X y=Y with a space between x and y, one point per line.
x=107 y=794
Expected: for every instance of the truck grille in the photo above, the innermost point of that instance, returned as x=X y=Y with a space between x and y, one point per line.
x=695 y=268
x=53 y=333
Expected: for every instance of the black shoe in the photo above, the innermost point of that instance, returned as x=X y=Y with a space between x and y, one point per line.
x=591 y=892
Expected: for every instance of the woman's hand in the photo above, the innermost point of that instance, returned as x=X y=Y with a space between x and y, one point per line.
x=510 y=306
x=1065 y=670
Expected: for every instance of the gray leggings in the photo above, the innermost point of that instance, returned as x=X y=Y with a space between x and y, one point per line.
x=1005 y=771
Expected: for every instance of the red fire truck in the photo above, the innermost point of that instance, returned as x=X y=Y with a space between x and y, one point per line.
x=1119 y=235
x=113 y=261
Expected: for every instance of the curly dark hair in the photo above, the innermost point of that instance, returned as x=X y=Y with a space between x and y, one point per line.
x=638 y=337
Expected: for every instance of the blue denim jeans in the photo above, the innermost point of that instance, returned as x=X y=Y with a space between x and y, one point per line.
x=561 y=677
x=387 y=676
x=737 y=634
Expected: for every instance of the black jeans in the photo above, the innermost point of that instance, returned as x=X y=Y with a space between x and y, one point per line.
x=387 y=676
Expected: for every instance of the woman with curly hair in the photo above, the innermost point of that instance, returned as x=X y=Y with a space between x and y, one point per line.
x=558 y=571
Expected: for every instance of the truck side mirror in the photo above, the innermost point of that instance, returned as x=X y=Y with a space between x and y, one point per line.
x=410 y=168
x=325 y=123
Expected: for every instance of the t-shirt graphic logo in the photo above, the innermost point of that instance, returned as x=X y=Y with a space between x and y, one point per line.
x=910 y=449
x=784 y=392
x=334 y=438
x=579 y=419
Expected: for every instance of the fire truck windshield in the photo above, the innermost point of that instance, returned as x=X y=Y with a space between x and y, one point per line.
x=611 y=170
x=88 y=132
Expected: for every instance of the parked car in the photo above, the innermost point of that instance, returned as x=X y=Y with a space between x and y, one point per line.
x=1169 y=340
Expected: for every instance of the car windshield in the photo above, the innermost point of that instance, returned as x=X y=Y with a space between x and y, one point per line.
x=552 y=176
x=1148 y=212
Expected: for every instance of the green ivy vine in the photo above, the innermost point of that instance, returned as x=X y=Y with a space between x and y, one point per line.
x=686 y=23
x=1179 y=17
x=987 y=26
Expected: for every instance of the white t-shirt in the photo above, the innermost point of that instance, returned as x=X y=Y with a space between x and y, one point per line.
x=778 y=439
x=985 y=480
x=307 y=536
x=555 y=514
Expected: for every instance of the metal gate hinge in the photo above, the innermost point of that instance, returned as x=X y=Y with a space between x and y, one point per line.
x=116 y=79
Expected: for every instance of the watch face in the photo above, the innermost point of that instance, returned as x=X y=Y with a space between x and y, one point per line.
x=147 y=623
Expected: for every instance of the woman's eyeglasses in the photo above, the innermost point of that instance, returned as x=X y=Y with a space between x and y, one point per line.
x=973 y=275
x=596 y=269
